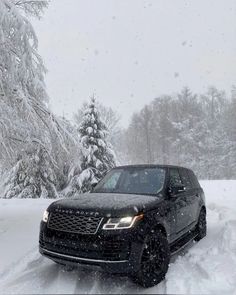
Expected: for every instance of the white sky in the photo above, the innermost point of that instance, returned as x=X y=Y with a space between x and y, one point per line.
x=128 y=52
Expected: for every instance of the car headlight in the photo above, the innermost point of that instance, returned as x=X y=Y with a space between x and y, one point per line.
x=45 y=216
x=122 y=223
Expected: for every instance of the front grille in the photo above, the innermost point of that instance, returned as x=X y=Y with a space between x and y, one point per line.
x=74 y=223
x=92 y=248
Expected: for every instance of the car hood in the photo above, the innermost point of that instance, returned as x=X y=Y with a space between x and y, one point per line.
x=107 y=204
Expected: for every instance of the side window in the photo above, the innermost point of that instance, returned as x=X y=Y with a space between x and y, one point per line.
x=193 y=179
x=175 y=178
x=185 y=178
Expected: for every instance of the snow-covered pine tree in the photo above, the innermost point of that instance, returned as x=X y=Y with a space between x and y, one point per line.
x=98 y=156
x=109 y=117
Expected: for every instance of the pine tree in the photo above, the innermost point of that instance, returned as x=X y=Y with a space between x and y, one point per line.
x=98 y=156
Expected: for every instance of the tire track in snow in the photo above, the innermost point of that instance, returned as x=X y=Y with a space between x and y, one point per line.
x=17 y=272
x=18 y=265
x=209 y=266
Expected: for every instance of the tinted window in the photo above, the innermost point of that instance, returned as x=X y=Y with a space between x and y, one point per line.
x=193 y=179
x=132 y=181
x=175 y=178
x=185 y=178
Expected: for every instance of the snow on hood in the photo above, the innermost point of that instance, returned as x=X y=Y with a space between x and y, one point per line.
x=108 y=204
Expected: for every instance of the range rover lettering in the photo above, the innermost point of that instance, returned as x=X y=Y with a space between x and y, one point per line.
x=131 y=223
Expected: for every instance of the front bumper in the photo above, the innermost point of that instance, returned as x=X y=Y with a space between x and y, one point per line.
x=113 y=251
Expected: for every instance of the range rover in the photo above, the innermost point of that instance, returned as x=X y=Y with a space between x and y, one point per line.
x=131 y=223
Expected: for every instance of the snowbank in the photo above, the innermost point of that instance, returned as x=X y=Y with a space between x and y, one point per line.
x=205 y=267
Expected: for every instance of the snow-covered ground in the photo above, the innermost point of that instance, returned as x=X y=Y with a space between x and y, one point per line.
x=205 y=267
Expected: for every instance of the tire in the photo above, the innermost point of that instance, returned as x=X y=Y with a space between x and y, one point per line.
x=201 y=227
x=154 y=261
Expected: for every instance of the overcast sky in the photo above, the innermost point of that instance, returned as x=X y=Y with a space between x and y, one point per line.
x=128 y=52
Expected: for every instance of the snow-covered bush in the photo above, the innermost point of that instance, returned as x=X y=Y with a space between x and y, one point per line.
x=33 y=176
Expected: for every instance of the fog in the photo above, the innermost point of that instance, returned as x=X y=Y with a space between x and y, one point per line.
x=129 y=52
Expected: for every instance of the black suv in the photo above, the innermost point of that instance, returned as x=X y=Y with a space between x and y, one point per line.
x=131 y=222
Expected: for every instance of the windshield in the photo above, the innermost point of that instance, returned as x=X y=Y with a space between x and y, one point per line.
x=147 y=181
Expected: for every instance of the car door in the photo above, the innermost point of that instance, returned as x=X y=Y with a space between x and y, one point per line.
x=196 y=191
x=191 y=198
x=180 y=202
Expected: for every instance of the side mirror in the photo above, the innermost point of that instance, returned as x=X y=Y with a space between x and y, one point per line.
x=174 y=190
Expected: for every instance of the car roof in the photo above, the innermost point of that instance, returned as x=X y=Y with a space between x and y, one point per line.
x=150 y=166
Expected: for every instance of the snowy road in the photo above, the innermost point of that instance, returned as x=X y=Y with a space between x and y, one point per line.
x=206 y=267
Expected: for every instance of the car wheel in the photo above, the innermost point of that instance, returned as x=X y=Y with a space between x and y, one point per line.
x=154 y=261
x=201 y=226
